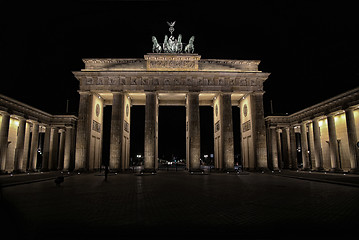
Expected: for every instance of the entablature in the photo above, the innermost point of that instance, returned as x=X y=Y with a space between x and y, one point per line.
x=171 y=81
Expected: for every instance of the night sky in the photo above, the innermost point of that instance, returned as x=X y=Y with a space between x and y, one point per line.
x=309 y=47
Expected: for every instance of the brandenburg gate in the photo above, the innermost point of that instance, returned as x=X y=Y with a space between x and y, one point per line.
x=169 y=76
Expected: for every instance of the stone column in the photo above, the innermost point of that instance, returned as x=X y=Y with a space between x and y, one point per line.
x=333 y=144
x=116 y=130
x=150 y=131
x=274 y=148
x=4 y=133
x=67 y=149
x=26 y=147
x=259 y=131
x=318 y=154
x=279 y=148
x=60 y=158
x=293 y=148
x=352 y=140
x=193 y=128
x=83 y=132
x=287 y=157
x=54 y=148
x=19 y=150
x=46 y=150
x=34 y=145
x=304 y=143
x=227 y=131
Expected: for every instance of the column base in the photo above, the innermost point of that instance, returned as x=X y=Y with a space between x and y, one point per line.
x=148 y=171
x=354 y=171
x=196 y=171
x=335 y=170
x=306 y=169
x=319 y=169
x=17 y=171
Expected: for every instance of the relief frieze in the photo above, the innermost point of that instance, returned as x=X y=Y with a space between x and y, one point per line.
x=174 y=80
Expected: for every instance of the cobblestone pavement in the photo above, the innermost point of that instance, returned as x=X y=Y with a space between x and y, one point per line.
x=180 y=205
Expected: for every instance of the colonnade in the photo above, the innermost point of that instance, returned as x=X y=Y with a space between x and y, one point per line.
x=21 y=145
x=327 y=142
x=119 y=134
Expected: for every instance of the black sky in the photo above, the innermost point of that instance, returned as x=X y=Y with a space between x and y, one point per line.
x=309 y=47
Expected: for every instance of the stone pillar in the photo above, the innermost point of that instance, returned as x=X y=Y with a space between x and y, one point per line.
x=54 y=148
x=352 y=140
x=293 y=148
x=287 y=157
x=193 y=131
x=279 y=148
x=19 y=150
x=150 y=131
x=227 y=131
x=34 y=145
x=258 y=131
x=60 y=158
x=46 y=150
x=26 y=147
x=67 y=149
x=311 y=156
x=304 y=143
x=116 y=130
x=4 y=133
x=274 y=148
x=333 y=144
x=83 y=132
x=318 y=154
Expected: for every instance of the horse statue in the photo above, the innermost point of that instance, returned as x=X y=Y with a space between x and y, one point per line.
x=156 y=47
x=190 y=46
x=179 y=43
x=165 y=45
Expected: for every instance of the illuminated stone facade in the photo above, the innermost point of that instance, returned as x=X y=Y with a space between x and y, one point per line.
x=177 y=80
x=32 y=140
x=328 y=136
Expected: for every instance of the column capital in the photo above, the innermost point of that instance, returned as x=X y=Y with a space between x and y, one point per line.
x=19 y=117
x=351 y=108
x=4 y=113
x=305 y=122
x=81 y=92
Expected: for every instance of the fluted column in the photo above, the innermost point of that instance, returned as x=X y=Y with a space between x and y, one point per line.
x=150 y=131
x=352 y=140
x=333 y=144
x=4 y=133
x=26 y=147
x=287 y=157
x=67 y=149
x=227 y=124
x=60 y=158
x=304 y=143
x=116 y=130
x=19 y=150
x=293 y=148
x=274 y=148
x=46 y=150
x=34 y=145
x=193 y=128
x=279 y=148
x=54 y=148
x=318 y=154
x=83 y=132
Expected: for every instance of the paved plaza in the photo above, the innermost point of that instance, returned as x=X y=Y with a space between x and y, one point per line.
x=179 y=205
